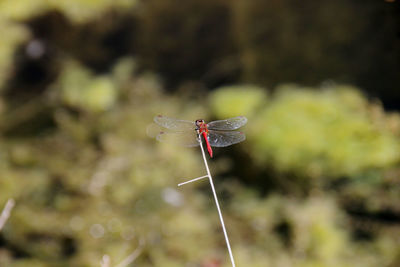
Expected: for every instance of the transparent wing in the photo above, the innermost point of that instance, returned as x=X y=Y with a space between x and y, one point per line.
x=179 y=138
x=221 y=139
x=174 y=124
x=228 y=124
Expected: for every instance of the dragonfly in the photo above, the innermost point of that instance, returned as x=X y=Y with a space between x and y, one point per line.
x=219 y=133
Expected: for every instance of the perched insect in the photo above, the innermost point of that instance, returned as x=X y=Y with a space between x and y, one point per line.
x=219 y=133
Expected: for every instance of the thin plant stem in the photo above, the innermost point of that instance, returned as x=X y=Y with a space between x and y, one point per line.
x=106 y=261
x=5 y=214
x=217 y=204
x=132 y=257
x=195 y=179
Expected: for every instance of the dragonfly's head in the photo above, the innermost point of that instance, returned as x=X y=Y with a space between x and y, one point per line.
x=199 y=123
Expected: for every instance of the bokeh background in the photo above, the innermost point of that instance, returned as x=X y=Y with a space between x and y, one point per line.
x=316 y=183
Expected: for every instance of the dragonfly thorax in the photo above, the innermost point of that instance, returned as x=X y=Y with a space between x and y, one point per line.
x=201 y=126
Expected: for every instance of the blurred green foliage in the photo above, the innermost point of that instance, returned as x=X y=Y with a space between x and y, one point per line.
x=79 y=89
x=315 y=184
x=96 y=184
x=239 y=99
x=333 y=132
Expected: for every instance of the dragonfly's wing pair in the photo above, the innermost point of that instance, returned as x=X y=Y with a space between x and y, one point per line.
x=221 y=133
x=179 y=132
